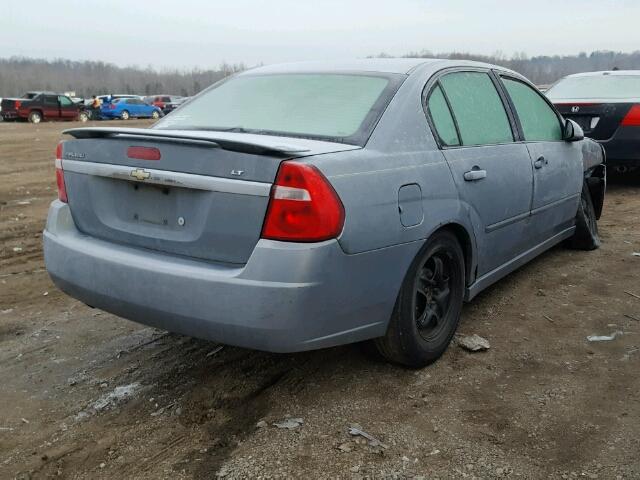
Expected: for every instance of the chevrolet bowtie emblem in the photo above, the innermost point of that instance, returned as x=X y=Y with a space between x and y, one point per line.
x=140 y=174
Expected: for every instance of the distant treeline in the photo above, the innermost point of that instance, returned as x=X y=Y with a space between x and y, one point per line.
x=86 y=78
x=547 y=69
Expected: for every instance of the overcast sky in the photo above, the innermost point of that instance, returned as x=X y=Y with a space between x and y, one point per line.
x=188 y=33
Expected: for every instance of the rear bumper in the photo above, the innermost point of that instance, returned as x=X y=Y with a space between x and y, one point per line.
x=623 y=149
x=9 y=115
x=288 y=297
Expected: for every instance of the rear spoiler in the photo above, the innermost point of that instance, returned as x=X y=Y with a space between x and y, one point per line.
x=205 y=139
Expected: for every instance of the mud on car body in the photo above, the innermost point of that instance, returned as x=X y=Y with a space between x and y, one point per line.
x=307 y=205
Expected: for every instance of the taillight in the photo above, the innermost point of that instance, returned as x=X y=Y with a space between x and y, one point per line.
x=303 y=206
x=62 y=189
x=17 y=104
x=632 y=119
x=112 y=106
x=143 y=153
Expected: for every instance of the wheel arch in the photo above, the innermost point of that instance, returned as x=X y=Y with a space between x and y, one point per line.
x=594 y=161
x=596 y=180
x=466 y=243
x=36 y=110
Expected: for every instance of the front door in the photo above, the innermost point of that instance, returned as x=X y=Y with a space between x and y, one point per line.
x=557 y=164
x=492 y=172
x=68 y=111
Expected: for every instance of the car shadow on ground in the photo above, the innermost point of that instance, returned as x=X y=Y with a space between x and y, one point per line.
x=224 y=392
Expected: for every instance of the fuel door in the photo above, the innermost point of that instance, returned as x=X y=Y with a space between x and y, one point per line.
x=410 y=205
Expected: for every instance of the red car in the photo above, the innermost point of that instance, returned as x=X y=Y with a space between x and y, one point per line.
x=38 y=106
x=166 y=103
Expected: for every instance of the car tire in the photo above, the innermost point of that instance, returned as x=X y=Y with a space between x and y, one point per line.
x=83 y=117
x=35 y=117
x=125 y=115
x=421 y=326
x=586 y=236
x=155 y=115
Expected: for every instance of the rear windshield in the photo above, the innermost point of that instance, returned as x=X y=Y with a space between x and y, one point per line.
x=596 y=87
x=338 y=107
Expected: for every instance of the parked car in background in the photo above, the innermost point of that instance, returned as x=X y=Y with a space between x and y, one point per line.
x=606 y=105
x=126 y=108
x=114 y=96
x=309 y=205
x=166 y=103
x=38 y=106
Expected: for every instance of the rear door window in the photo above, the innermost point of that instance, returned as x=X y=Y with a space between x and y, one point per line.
x=50 y=100
x=539 y=121
x=442 y=118
x=477 y=108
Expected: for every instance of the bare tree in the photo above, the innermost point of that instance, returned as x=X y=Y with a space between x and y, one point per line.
x=547 y=69
x=19 y=74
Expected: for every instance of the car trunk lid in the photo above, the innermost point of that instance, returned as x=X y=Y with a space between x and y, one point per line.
x=204 y=197
x=599 y=120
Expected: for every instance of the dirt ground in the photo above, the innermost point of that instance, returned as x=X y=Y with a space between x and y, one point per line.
x=85 y=394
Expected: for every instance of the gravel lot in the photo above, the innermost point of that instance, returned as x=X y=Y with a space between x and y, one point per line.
x=89 y=395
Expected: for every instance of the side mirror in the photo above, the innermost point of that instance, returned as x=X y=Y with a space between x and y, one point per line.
x=572 y=131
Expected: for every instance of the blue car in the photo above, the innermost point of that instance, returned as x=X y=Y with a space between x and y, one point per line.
x=126 y=108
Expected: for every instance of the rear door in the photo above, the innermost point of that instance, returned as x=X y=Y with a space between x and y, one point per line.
x=50 y=106
x=492 y=172
x=133 y=107
x=558 y=168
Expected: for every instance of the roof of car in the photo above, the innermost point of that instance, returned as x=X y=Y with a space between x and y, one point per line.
x=119 y=95
x=605 y=73
x=381 y=65
x=377 y=65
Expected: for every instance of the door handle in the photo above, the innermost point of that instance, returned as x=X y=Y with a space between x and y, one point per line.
x=540 y=162
x=475 y=174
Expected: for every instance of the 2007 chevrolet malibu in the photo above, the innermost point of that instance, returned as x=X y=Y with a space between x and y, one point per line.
x=308 y=205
